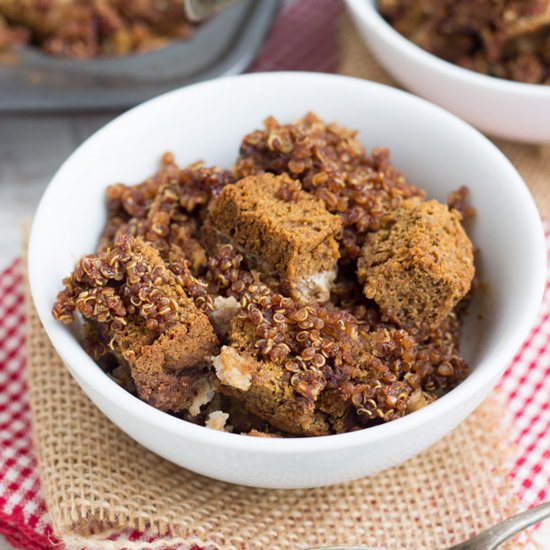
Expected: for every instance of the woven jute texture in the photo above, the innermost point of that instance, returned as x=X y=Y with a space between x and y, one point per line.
x=532 y=162
x=95 y=478
x=97 y=481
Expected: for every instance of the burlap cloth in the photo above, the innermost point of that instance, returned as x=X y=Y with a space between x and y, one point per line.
x=96 y=479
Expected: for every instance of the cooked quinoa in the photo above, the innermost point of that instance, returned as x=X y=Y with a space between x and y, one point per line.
x=504 y=38
x=92 y=28
x=191 y=299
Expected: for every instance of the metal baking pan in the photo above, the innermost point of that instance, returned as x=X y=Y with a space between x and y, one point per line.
x=224 y=45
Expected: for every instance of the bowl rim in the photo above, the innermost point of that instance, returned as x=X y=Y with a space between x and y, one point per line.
x=488 y=369
x=366 y=9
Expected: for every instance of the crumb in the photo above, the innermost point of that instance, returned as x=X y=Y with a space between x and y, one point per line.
x=232 y=369
x=315 y=287
x=257 y=433
x=204 y=394
x=217 y=420
x=224 y=310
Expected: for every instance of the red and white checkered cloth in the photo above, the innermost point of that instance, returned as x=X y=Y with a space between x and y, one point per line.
x=526 y=385
x=23 y=516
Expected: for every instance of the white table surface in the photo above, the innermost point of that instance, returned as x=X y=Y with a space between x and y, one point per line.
x=32 y=147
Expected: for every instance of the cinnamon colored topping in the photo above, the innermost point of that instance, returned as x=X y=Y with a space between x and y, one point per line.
x=420 y=268
x=283 y=231
x=163 y=210
x=332 y=165
x=505 y=38
x=92 y=28
x=147 y=320
x=232 y=335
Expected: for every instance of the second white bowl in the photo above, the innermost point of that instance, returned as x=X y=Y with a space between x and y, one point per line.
x=502 y=108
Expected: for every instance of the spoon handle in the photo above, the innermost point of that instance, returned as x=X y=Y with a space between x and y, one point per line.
x=199 y=10
x=496 y=535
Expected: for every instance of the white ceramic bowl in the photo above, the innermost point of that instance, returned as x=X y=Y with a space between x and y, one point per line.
x=502 y=108
x=206 y=121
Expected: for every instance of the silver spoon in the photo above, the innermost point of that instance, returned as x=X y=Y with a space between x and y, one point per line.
x=199 y=10
x=486 y=540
